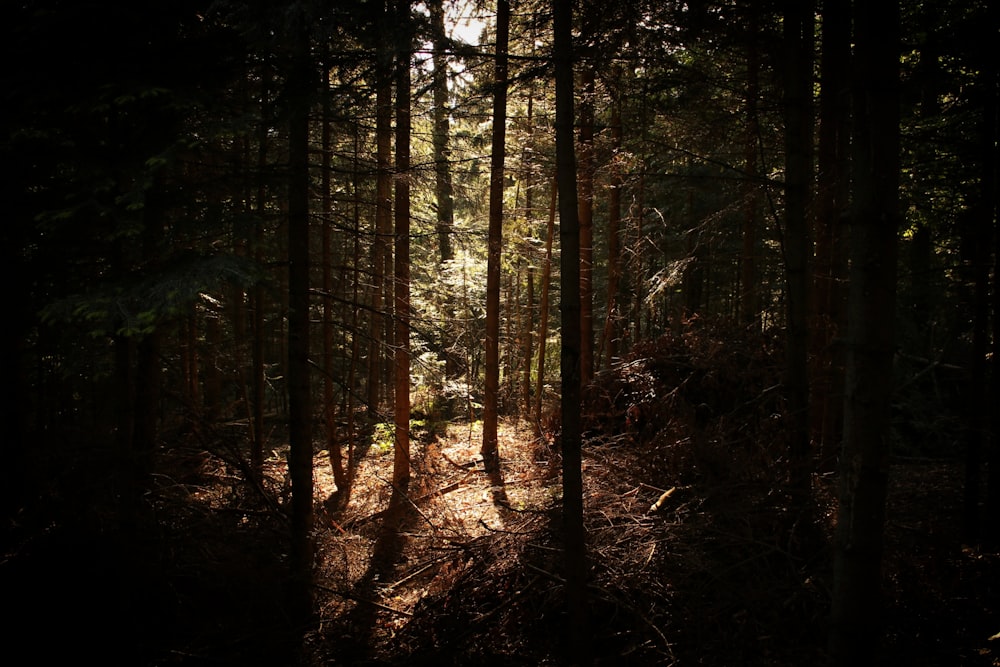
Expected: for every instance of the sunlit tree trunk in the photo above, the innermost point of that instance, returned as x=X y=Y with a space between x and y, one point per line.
x=575 y=556
x=543 y=307
x=527 y=332
x=401 y=342
x=856 y=616
x=492 y=361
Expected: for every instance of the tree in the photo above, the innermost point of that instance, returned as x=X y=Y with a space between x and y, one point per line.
x=574 y=546
x=856 y=612
x=300 y=456
x=383 y=211
x=401 y=343
x=832 y=195
x=798 y=36
x=586 y=218
x=491 y=457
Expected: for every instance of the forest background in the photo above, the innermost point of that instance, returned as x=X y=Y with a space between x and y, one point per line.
x=750 y=249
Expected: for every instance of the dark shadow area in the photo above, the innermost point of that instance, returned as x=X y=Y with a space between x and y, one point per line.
x=354 y=632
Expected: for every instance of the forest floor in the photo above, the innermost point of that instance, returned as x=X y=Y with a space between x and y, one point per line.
x=457 y=572
x=445 y=575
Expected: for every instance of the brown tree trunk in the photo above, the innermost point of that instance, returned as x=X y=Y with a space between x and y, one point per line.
x=612 y=328
x=490 y=451
x=401 y=338
x=543 y=308
x=443 y=188
x=586 y=219
x=575 y=556
x=856 y=618
x=329 y=401
x=383 y=221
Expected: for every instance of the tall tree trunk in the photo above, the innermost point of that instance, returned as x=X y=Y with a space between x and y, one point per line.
x=401 y=400
x=586 y=218
x=749 y=309
x=527 y=334
x=798 y=36
x=329 y=402
x=856 y=623
x=575 y=555
x=991 y=171
x=491 y=458
x=832 y=196
x=300 y=454
x=443 y=188
x=612 y=322
x=258 y=379
x=383 y=218
x=443 y=184
x=543 y=308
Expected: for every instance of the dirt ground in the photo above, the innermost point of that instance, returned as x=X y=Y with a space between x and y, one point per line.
x=447 y=575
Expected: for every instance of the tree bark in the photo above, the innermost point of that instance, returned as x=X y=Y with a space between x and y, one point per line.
x=832 y=196
x=749 y=309
x=543 y=309
x=300 y=456
x=383 y=219
x=798 y=36
x=490 y=451
x=329 y=402
x=612 y=323
x=401 y=460
x=575 y=556
x=856 y=624
x=586 y=221
x=443 y=187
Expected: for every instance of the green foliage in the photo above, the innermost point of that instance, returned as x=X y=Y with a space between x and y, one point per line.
x=138 y=307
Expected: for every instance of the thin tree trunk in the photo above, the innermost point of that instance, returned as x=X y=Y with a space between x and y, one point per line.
x=401 y=400
x=300 y=455
x=749 y=309
x=443 y=188
x=586 y=218
x=991 y=170
x=329 y=403
x=798 y=26
x=543 y=308
x=832 y=195
x=258 y=299
x=383 y=221
x=575 y=555
x=612 y=329
x=491 y=458
x=856 y=615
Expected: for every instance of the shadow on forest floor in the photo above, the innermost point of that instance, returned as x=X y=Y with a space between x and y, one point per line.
x=446 y=576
